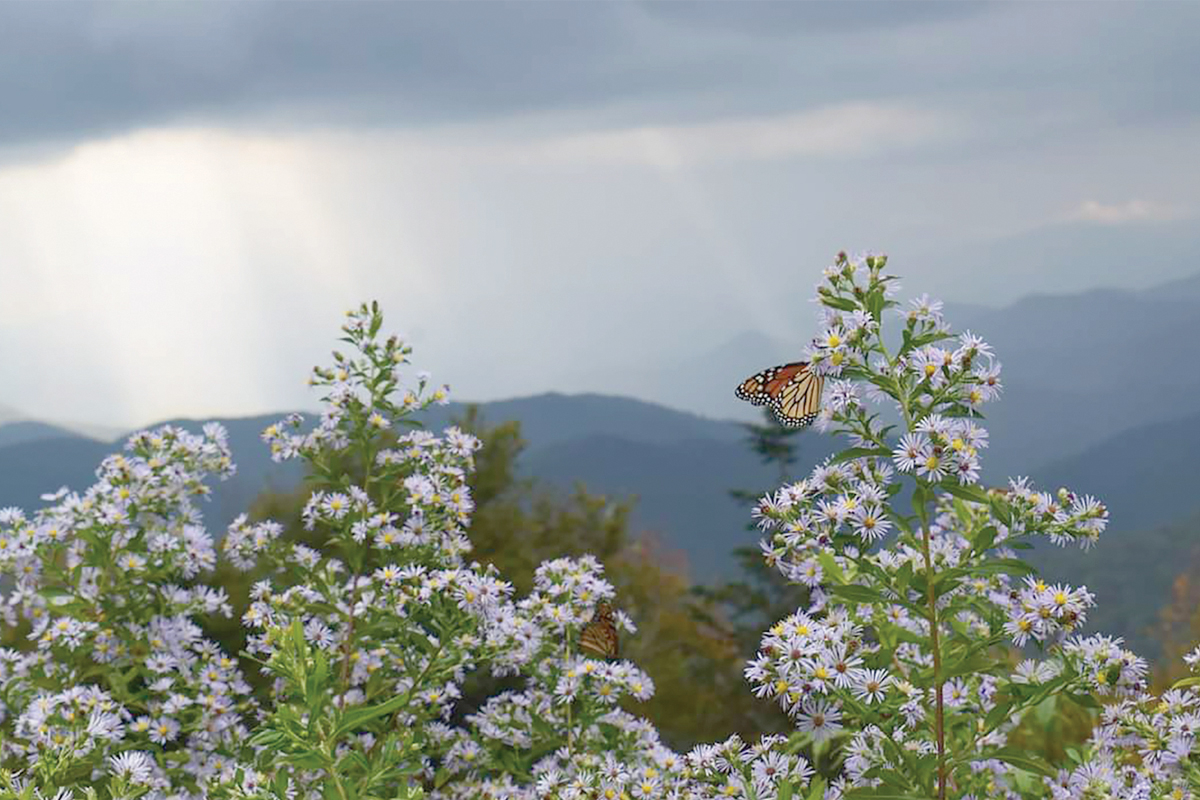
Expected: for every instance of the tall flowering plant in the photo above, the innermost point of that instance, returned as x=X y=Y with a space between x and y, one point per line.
x=897 y=654
x=123 y=691
x=369 y=646
x=916 y=587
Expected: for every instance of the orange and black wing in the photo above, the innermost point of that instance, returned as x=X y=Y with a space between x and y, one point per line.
x=600 y=635
x=791 y=391
x=765 y=386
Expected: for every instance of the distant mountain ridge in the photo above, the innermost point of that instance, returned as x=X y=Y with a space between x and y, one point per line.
x=31 y=431
x=552 y=418
x=23 y=427
x=33 y=467
x=1078 y=368
x=679 y=465
x=1099 y=396
x=1147 y=477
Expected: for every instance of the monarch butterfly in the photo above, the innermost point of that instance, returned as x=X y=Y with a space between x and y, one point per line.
x=792 y=391
x=600 y=635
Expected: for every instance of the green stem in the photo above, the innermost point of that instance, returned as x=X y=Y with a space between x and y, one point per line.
x=939 y=720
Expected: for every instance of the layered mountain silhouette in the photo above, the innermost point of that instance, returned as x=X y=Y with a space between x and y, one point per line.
x=1100 y=396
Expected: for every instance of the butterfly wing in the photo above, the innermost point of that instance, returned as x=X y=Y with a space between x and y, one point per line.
x=799 y=400
x=791 y=391
x=762 y=388
x=600 y=635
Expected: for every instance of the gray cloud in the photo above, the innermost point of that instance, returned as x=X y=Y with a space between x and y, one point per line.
x=789 y=19
x=690 y=165
x=74 y=71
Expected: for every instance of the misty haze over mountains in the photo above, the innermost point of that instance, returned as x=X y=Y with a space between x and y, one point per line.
x=1100 y=396
x=1077 y=369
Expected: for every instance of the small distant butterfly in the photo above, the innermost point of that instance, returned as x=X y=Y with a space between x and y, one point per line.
x=600 y=635
x=792 y=391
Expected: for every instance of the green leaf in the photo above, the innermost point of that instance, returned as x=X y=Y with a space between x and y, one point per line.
x=268 y=738
x=860 y=452
x=985 y=538
x=921 y=499
x=904 y=577
x=840 y=303
x=1019 y=759
x=1009 y=566
x=1000 y=712
x=969 y=492
x=976 y=662
x=1085 y=700
x=1001 y=509
x=875 y=301
x=355 y=758
x=1044 y=710
x=831 y=566
x=858 y=594
x=784 y=790
x=355 y=719
x=816 y=789
x=1183 y=683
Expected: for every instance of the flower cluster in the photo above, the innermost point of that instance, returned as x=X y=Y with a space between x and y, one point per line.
x=899 y=647
x=899 y=664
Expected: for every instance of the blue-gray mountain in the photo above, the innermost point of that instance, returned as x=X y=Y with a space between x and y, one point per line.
x=1078 y=368
x=1100 y=397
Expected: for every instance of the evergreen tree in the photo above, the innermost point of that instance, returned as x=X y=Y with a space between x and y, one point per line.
x=762 y=595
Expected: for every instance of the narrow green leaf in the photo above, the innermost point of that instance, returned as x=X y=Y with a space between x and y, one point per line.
x=1000 y=712
x=1019 y=759
x=985 y=538
x=832 y=570
x=875 y=301
x=972 y=493
x=355 y=719
x=1009 y=566
x=858 y=594
x=860 y=452
x=1085 y=700
x=1001 y=509
x=840 y=303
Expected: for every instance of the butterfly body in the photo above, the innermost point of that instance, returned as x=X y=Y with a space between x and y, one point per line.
x=792 y=391
x=600 y=635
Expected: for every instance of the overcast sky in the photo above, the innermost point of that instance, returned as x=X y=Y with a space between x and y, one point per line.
x=191 y=194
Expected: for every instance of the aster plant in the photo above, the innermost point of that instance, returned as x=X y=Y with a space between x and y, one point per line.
x=899 y=654
x=895 y=673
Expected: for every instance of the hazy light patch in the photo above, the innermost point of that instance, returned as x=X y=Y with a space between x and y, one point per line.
x=202 y=272
x=844 y=131
x=854 y=130
x=149 y=269
x=1129 y=212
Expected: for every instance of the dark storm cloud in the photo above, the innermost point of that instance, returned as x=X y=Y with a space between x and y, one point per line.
x=98 y=67
x=71 y=71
